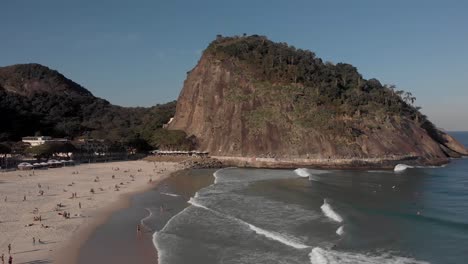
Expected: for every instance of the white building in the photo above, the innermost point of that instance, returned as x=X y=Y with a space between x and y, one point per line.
x=36 y=141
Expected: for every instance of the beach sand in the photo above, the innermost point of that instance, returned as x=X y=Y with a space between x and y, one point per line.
x=116 y=241
x=60 y=242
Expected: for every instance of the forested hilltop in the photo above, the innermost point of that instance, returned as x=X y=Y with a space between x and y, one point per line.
x=249 y=96
x=37 y=100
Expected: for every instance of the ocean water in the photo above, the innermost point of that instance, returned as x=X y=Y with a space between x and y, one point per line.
x=260 y=216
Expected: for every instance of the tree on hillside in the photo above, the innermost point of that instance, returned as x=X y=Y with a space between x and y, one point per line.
x=172 y=140
x=4 y=151
x=138 y=144
x=50 y=149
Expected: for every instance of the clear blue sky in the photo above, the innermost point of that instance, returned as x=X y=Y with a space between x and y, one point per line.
x=138 y=52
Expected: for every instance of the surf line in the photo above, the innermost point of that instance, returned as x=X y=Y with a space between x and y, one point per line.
x=271 y=235
x=142 y=221
x=155 y=235
x=330 y=213
x=170 y=194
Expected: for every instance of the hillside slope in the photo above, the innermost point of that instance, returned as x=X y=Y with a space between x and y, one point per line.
x=34 y=98
x=251 y=97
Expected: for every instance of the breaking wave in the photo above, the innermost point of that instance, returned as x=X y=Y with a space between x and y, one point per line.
x=170 y=194
x=330 y=213
x=269 y=234
x=401 y=167
x=340 y=231
x=321 y=256
x=302 y=172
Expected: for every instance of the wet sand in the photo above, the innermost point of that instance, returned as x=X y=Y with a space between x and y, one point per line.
x=117 y=241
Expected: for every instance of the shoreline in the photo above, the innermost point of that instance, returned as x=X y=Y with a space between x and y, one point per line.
x=98 y=195
x=329 y=164
x=382 y=163
x=70 y=252
x=115 y=240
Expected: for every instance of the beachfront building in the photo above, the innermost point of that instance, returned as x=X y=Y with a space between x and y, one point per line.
x=180 y=153
x=92 y=146
x=37 y=141
x=168 y=123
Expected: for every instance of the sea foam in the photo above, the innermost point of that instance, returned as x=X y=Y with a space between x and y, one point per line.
x=142 y=221
x=330 y=213
x=170 y=194
x=321 y=256
x=302 y=172
x=340 y=231
x=269 y=234
x=401 y=167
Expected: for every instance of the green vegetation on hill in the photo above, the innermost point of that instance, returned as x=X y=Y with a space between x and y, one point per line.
x=330 y=97
x=37 y=100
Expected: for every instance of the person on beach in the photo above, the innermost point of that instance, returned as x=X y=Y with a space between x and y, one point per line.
x=10 y=260
x=9 y=248
x=34 y=241
x=3 y=258
x=138 y=229
x=79 y=205
x=24 y=198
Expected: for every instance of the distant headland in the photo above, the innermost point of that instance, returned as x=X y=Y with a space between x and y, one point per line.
x=253 y=102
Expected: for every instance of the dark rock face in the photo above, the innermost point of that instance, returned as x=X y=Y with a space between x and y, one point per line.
x=233 y=113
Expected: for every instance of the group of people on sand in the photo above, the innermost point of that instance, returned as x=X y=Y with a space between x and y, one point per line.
x=34 y=241
x=65 y=215
x=10 y=258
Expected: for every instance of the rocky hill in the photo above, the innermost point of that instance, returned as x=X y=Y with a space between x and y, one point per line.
x=255 y=101
x=34 y=98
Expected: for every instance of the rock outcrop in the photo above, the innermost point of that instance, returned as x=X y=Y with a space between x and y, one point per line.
x=299 y=109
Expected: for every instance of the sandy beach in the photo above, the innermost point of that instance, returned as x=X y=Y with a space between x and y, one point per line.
x=57 y=239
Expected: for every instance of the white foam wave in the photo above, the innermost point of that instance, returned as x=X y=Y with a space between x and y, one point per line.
x=196 y=204
x=142 y=221
x=431 y=167
x=321 y=256
x=275 y=236
x=330 y=213
x=156 y=246
x=340 y=231
x=404 y=167
x=269 y=234
x=302 y=172
x=155 y=235
x=170 y=194
x=217 y=174
x=148 y=217
x=401 y=167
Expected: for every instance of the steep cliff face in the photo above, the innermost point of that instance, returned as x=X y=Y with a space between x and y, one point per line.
x=234 y=109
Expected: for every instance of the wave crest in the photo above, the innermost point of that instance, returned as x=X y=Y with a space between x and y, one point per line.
x=269 y=234
x=321 y=256
x=401 y=167
x=330 y=213
x=302 y=172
